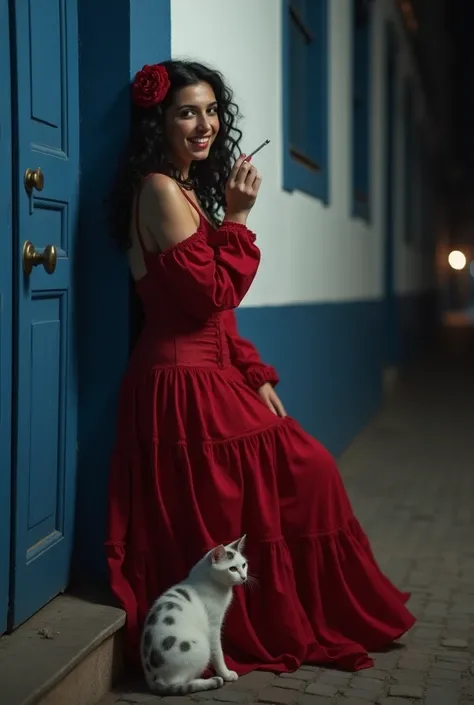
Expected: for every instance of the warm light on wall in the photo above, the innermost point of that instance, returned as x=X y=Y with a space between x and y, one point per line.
x=456 y=259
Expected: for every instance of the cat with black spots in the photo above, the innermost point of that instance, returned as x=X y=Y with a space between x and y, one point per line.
x=182 y=632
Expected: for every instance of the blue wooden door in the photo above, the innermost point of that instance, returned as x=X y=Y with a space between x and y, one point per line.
x=6 y=259
x=46 y=113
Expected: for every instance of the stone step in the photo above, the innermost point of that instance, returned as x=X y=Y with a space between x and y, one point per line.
x=70 y=652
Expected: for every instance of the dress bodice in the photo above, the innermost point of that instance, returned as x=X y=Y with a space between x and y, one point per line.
x=186 y=314
x=189 y=294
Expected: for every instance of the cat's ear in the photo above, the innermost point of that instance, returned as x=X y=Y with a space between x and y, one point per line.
x=218 y=554
x=239 y=545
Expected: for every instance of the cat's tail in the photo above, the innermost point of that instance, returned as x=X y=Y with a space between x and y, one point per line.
x=194 y=686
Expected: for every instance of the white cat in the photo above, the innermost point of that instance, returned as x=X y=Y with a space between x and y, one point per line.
x=182 y=632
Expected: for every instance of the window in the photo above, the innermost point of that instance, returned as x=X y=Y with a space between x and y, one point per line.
x=305 y=97
x=361 y=108
x=409 y=180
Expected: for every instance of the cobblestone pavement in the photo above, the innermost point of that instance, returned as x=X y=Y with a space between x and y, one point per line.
x=410 y=475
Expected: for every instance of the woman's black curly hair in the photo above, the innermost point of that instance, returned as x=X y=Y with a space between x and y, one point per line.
x=145 y=152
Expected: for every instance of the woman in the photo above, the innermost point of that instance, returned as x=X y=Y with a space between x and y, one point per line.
x=205 y=451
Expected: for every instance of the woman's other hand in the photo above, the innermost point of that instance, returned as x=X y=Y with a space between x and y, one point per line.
x=271 y=399
x=242 y=190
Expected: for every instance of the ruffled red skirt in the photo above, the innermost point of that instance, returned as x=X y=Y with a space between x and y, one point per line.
x=200 y=460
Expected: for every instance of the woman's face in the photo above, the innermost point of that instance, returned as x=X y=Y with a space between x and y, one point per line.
x=191 y=124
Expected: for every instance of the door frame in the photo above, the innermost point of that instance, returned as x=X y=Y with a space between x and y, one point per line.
x=6 y=311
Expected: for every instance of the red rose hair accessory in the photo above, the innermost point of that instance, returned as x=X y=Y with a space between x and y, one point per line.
x=150 y=85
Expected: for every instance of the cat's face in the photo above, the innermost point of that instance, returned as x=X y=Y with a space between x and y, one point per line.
x=228 y=564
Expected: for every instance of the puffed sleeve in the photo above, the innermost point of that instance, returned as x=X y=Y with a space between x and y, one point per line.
x=245 y=357
x=210 y=273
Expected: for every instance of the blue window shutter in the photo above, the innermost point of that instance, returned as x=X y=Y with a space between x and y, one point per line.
x=305 y=97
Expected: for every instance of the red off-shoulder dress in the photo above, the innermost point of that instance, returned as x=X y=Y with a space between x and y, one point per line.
x=199 y=460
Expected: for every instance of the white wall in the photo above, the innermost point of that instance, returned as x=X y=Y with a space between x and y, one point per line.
x=310 y=252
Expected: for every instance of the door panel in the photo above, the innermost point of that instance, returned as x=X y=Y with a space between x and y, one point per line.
x=6 y=259
x=46 y=391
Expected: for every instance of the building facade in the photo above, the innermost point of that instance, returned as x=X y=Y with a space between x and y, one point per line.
x=344 y=221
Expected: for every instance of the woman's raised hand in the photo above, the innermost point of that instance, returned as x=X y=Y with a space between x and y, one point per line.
x=241 y=190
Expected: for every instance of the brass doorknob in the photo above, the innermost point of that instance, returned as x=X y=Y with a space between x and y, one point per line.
x=34 y=179
x=31 y=258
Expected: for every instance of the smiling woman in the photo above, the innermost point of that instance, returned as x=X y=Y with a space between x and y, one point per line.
x=205 y=450
x=189 y=134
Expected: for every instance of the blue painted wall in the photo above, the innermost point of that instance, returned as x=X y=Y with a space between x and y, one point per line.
x=141 y=34
x=329 y=360
x=330 y=357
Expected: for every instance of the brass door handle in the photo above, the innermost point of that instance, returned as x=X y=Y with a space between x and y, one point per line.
x=31 y=258
x=33 y=179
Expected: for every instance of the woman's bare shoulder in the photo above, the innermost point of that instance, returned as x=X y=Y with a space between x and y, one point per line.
x=165 y=211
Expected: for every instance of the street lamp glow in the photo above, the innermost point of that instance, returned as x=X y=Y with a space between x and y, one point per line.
x=457 y=260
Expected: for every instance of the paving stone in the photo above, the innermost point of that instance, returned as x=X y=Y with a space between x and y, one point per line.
x=313 y=700
x=458 y=624
x=358 y=697
x=455 y=643
x=406 y=691
x=420 y=650
x=321 y=689
x=437 y=700
x=408 y=677
x=372 y=673
x=335 y=679
x=415 y=664
x=427 y=633
x=446 y=695
x=443 y=674
x=312 y=668
x=460 y=666
x=454 y=656
x=255 y=680
x=385 y=662
x=373 y=684
x=227 y=695
x=336 y=673
x=301 y=675
x=280 y=696
x=290 y=684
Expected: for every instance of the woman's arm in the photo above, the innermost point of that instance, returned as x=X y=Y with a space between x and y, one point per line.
x=245 y=357
x=208 y=274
